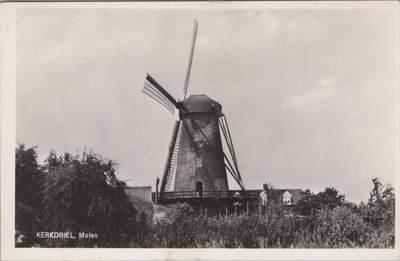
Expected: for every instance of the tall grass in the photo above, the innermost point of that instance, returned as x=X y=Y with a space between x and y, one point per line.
x=341 y=227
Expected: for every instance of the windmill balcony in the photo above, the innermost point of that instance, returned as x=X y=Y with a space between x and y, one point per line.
x=169 y=197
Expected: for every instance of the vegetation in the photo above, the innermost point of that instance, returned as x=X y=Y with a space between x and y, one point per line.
x=71 y=194
x=339 y=227
x=28 y=195
x=82 y=193
x=323 y=220
x=310 y=202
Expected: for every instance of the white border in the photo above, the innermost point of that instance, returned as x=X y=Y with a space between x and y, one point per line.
x=8 y=137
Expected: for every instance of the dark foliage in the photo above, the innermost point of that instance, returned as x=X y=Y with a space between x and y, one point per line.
x=330 y=223
x=71 y=194
x=310 y=203
x=83 y=194
x=28 y=194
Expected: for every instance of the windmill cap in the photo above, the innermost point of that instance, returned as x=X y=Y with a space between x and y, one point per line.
x=200 y=103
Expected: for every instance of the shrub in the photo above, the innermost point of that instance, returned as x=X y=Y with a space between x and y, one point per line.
x=71 y=194
x=84 y=195
x=29 y=179
x=334 y=228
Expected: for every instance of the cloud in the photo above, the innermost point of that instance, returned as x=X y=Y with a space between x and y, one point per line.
x=314 y=97
x=327 y=82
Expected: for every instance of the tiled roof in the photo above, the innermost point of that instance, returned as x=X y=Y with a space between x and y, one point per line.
x=295 y=193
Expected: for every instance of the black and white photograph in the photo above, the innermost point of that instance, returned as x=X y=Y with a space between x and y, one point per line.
x=223 y=125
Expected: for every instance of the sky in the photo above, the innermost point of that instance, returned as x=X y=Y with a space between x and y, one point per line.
x=309 y=95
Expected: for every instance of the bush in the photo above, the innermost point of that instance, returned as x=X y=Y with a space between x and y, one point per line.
x=330 y=223
x=84 y=195
x=71 y=194
x=29 y=180
x=310 y=202
x=333 y=228
x=180 y=229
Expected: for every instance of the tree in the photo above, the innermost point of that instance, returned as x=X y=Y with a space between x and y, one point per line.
x=330 y=198
x=28 y=176
x=380 y=209
x=310 y=202
x=83 y=194
x=28 y=195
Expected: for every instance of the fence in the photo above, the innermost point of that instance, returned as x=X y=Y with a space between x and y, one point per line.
x=143 y=192
x=179 y=195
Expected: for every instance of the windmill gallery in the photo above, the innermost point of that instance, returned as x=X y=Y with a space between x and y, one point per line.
x=197 y=165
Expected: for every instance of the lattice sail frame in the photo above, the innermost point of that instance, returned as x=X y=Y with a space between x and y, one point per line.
x=194 y=36
x=159 y=94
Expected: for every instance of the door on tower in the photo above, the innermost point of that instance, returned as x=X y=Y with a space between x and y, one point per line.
x=199 y=188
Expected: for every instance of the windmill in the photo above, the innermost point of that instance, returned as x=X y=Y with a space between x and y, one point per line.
x=196 y=160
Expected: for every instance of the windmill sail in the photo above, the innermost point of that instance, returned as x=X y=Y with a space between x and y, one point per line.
x=196 y=159
x=158 y=93
x=225 y=130
x=172 y=158
x=185 y=86
x=233 y=170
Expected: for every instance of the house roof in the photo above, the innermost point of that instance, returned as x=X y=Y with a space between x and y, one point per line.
x=296 y=194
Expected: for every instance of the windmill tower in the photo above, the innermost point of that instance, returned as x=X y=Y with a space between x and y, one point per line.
x=196 y=160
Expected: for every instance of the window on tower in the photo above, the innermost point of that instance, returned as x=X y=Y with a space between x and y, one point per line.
x=199 y=162
x=198 y=136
